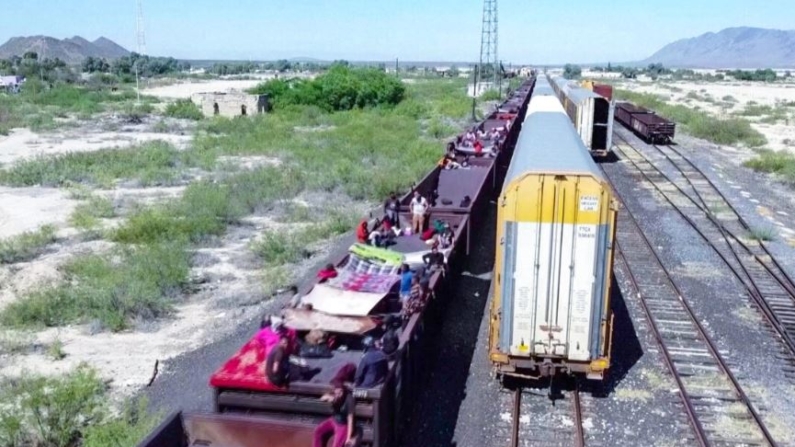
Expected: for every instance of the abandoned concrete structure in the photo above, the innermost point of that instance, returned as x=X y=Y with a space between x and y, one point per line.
x=231 y=103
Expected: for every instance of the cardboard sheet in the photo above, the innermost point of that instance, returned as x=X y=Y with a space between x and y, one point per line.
x=340 y=302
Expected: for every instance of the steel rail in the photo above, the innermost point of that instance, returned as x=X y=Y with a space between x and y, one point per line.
x=712 y=347
x=787 y=281
x=755 y=293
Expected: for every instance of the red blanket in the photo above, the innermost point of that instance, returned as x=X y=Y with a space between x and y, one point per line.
x=246 y=369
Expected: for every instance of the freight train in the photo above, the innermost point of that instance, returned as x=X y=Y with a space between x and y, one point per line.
x=590 y=113
x=644 y=122
x=550 y=310
x=251 y=412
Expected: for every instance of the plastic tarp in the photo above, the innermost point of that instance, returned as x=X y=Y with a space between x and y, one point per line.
x=334 y=301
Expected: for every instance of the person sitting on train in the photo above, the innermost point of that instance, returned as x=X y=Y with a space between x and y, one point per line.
x=465 y=202
x=469 y=137
x=390 y=342
x=340 y=426
x=478 y=148
x=392 y=209
x=465 y=163
x=451 y=148
x=373 y=367
x=416 y=301
x=445 y=237
x=481 y=133
x=434 y=260
x=326 y=273
x=449 y=161
x=362 y=232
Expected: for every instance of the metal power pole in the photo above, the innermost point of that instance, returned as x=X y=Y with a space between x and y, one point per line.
x=489 y=60
x=140 y=45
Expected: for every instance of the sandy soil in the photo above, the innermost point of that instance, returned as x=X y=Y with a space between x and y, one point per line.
x=24 y=143
x=26 y=209
x=186 y=89
x=726 y=99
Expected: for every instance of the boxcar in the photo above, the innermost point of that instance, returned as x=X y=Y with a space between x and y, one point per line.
x=550 y=309
x=591 y=114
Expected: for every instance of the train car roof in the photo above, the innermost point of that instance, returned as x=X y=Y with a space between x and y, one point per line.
x=548 y=142
x=576 y=93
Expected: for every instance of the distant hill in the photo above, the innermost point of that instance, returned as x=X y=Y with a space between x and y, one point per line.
x=72 y=50
x=731 y=48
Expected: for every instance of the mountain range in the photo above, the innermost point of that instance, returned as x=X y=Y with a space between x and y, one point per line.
x=72 y=50
x=742 y=47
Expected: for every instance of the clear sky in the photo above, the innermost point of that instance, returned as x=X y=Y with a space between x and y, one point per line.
x=530 y=30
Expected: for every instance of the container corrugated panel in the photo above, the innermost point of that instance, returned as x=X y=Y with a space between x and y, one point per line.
x=554 y=239
x=604 y=90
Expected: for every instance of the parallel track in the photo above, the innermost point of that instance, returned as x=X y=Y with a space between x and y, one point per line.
x=537 y=421
x=723 y=228
x=713 y=398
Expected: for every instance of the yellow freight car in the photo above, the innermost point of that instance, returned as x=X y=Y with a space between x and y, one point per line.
x=550 y=310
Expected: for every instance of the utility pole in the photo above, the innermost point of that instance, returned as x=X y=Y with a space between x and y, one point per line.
x=140 y=44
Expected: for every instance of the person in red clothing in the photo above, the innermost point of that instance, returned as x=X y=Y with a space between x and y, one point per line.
x=327 y=273
x=362 y=232
x=478 y=147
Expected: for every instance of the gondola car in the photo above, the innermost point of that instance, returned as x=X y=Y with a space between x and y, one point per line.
x=550 y=310
x=644 y=122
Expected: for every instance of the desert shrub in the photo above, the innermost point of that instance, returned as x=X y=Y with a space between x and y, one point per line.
x=185 y=109
x=781 y=163
x=150 y=163
x=130 y=283
x=67 y=411
x=86 y=215
x=491 y=95
x=284 y=247
x=27 y=245
x=341 y=88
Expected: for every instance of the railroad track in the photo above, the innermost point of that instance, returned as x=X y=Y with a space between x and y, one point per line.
x=717 y=406
x=718 y=222
x=532 y=419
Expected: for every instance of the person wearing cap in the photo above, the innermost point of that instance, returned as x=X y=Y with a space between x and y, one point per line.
x=373 y=367
x=340 y=426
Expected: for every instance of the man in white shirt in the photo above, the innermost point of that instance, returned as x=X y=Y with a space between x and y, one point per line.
x=418 y=206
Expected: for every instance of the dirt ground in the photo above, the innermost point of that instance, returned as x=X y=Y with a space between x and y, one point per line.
x=227 y=281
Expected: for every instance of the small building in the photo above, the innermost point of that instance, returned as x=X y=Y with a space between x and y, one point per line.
x=231 y=103
x=11 y=83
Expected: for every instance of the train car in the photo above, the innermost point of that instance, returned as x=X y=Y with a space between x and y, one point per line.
x=605 y=90
x=644 y=122
x=591 y=114
x=550 y=310
x=251 y=411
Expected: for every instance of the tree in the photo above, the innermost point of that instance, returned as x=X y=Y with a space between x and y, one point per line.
x=572 y=71
x=609 y=67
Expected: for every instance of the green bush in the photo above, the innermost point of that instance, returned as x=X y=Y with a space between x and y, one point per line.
x=781 y=163
x=491 y=95
x=699 y=123
x=27 y=245
x=185 y=109
x=341 y=88
x=133 y=282
x=150 y=163
x=51 y=412
x=67 y=411
x=87 y=214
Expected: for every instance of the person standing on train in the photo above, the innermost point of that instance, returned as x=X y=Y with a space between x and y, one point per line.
x=391 y=210
x=418 y=206
x=405 y=282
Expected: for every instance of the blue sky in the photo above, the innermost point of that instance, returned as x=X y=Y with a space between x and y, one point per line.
x=530 y=30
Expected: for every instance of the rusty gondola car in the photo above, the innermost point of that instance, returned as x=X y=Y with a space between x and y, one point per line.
x=381 y=411
x=644 y=122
